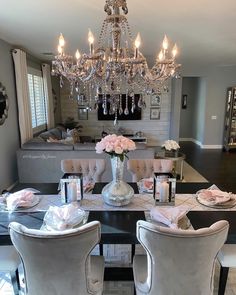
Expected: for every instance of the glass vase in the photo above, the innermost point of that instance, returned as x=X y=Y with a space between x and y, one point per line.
x=117 y=192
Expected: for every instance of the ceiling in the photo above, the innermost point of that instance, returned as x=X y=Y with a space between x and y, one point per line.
x=205 y=30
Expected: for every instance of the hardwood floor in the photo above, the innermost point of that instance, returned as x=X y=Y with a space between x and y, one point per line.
x=216 y=165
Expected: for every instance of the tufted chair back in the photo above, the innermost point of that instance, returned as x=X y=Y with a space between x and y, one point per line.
x=92 y=169
x=144 y=168
x=178 y=261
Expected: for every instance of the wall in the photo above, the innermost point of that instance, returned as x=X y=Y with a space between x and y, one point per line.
x=176 y=86
x=218 y=80
x=157 y=131
x=188 y=116
x=205 y=123
x=56 y=99
x=9 y=133
x=199 y=125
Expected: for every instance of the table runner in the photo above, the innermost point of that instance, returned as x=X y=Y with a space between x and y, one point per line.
x=140 y=202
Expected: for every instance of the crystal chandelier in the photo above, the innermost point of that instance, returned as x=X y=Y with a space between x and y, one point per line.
x=115 y=66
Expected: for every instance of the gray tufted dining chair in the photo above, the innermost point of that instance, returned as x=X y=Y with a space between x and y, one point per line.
x=177 y=261
x=60 y=262
x=92 y=169
x=144 y=168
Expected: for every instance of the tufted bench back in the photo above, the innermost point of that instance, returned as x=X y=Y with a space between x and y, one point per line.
x=144 y=168
x=92 y=169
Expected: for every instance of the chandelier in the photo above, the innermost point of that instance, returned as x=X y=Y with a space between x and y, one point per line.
x=114 y=66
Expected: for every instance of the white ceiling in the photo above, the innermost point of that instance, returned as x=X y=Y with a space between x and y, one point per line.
x=205 y=30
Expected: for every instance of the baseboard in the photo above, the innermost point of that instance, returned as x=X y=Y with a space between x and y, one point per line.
x=203 y=146
x=212 y=146
x=12 y=185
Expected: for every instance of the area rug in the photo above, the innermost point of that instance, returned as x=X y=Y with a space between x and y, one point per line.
x=191 y=175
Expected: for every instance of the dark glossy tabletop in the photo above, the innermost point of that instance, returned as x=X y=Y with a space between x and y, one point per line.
x=118 y=227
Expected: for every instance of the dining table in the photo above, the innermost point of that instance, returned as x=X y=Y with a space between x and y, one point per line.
x=118 y=224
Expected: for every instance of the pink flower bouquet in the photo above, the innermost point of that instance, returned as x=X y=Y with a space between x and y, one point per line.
x=115 y=146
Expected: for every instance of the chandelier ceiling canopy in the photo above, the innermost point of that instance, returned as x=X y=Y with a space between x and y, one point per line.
x=115 y=65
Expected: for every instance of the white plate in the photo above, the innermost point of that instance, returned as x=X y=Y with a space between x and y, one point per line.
x=223 y=205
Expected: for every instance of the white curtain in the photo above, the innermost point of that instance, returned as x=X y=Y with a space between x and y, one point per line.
x=23 y=100
x=47 y=83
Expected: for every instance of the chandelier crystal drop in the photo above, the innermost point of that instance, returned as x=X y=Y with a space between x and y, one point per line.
x=114 y=66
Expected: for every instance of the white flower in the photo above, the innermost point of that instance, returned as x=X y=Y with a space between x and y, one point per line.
x=171 y=145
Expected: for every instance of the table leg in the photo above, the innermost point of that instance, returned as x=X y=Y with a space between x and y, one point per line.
x=181 y=169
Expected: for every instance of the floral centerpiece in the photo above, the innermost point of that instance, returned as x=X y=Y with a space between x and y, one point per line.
x=117 y=192
x=171 y=147
x=115 y=146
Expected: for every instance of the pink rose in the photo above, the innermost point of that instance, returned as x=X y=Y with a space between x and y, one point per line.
x=118 y=150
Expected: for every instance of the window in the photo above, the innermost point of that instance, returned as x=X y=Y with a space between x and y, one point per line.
x=37 y=100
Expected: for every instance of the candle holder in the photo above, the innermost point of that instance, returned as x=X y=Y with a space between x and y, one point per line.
x=71 y=186
x=164 y=189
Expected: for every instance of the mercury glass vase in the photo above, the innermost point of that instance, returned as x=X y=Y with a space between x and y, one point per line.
x=117 y=192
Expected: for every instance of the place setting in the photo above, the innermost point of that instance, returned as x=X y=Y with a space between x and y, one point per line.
x=20 y=200
x=213 y=197
x=66 y=217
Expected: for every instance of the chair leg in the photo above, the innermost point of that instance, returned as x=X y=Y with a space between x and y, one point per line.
x=134 y=290
x=101 y=249
x=132 y=252
x=15 y=281
x=223 y=280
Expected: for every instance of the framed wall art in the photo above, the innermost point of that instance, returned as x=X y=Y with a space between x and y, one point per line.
x=82 y=113
x=155 y=113
x=155 y=100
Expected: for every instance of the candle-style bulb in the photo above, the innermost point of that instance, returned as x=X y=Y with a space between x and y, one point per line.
x=165 y=43
x=161 y=55
x=137 y=41
x=174 y=51
x=59 y=49
x=77 y=54
x=61 y=41
x=90 y=37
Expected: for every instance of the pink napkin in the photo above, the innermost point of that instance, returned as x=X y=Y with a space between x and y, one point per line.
x=22 y=198
x=169 y=216
x=146 y=184
x=213 y=196
x=61 y=218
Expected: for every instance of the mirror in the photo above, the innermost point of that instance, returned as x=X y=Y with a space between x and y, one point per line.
x=4 y=104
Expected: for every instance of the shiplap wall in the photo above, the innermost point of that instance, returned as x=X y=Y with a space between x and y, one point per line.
x=156 y=131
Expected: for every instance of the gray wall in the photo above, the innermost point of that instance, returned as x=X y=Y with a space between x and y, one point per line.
x=203 y=120
x=218 y=80
x=188 y=116
x=9 y=133
x=198 y=131
x=156 y=131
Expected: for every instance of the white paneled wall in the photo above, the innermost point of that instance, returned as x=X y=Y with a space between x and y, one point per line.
x=156 y=131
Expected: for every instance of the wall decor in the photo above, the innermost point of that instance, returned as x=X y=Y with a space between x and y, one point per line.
x=155 y=113
x=4 y=104
x=83 y=113
x=124 y=106
x=184 y=101
x=155 y=100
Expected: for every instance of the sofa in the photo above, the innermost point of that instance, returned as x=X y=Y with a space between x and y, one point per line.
x=39 y=160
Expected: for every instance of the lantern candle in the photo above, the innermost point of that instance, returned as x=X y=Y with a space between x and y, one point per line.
x=164 y=192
